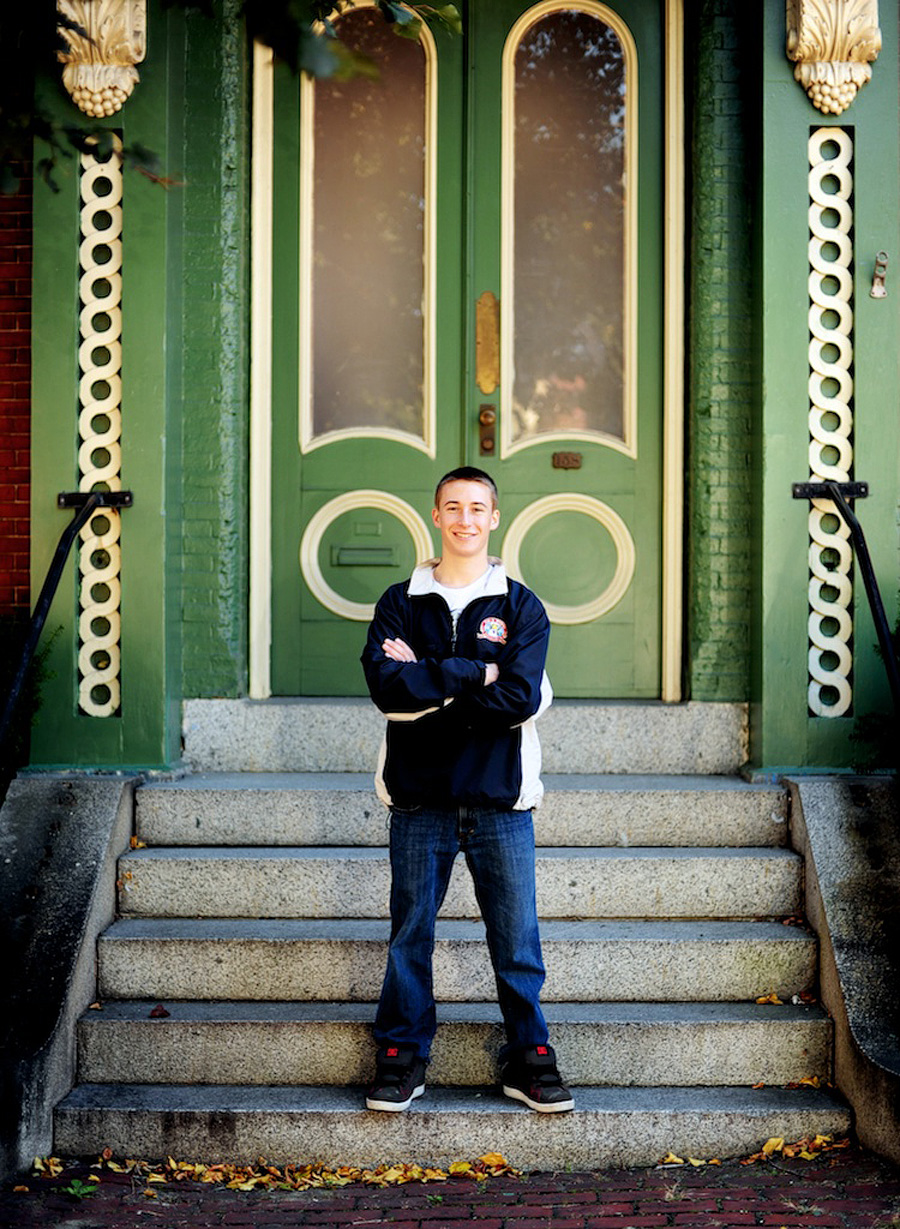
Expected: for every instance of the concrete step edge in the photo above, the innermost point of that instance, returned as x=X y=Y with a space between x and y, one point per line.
x=241 y=1011
x=341 y=809
x=571 y=882
x=598 y=1044
x=228 y=930
x=353 y=782
x=370 y=853
x=326 y=959
x=609 y=1127
x=291 y=734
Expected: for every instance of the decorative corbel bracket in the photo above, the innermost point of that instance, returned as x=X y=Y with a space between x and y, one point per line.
x=111 y=39
x=832 y=44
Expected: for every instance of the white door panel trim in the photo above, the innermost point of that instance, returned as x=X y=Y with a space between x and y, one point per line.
x=571 y=501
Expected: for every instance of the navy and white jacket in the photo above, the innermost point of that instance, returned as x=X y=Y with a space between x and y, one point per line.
x=450 y=740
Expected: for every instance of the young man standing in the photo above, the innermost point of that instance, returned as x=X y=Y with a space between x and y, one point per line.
x=455 y=660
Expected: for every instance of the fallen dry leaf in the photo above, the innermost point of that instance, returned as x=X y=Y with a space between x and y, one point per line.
x=290 y=1177
x=805 y=1149
x=158 y=1012
x=493 y=1158
x=47 y=1167
x=671 y=1159
x=771 y=998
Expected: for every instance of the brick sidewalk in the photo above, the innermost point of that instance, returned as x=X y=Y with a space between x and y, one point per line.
x=851 y=1189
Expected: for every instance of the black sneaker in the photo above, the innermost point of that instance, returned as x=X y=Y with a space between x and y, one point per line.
x=531 y=1076
x=399 y=1079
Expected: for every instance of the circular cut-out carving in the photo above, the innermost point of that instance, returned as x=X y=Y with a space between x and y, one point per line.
x=611 y=522
x=382 y=501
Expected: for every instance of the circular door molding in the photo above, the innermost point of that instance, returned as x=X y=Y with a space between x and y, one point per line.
x=611 y=522
x=381 y=501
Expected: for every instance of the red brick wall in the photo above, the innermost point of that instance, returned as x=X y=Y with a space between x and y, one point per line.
x=15 y=397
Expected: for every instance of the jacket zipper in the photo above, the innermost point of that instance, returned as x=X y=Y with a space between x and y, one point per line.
x=454 y=625
x=465 y=610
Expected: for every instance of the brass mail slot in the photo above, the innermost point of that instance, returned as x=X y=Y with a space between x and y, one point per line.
x=364 y=557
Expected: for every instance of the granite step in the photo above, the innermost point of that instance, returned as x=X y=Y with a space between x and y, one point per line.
x=609 y=1127
x=571 y=882
x=328 y=959
x=344 y=735
x=622 y=1044
x=591 y=809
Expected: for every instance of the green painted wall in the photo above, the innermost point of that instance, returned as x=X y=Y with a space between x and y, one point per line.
x=215 y=358
x=184 y=371
x=146 y=731
x=721 y=361
x=783 y=732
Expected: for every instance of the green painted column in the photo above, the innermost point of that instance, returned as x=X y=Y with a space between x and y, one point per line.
x=141 y=731
x=183 y=372
x=721 y=359
x=784 y=732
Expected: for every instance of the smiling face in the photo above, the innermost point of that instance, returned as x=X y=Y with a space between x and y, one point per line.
x=465 y=515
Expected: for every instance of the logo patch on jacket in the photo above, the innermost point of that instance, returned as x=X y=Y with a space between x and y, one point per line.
x=492 y=629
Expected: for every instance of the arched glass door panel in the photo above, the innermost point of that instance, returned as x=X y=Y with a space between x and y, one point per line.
x=569 y=255
x=365 y=198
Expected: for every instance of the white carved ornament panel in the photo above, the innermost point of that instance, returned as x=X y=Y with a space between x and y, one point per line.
x=105 y=41
x=100 y=429
x=830 y=418
x=832 y=44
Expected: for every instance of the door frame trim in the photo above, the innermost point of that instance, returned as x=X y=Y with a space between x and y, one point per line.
x=261 y=234
x=673 y=544
x=262 y=163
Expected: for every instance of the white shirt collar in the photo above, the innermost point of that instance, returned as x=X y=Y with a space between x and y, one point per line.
x=422 y=579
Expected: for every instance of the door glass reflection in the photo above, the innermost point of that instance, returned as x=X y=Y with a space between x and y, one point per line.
x=368 y=274
x=569 y=168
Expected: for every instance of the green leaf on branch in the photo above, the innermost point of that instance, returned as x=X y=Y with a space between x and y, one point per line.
x=410 y=30
x=396 y=13
x=446 y=15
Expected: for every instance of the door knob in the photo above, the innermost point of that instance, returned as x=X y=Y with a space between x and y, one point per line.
x=487 y=426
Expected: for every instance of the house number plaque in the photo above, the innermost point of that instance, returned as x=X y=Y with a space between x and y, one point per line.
x=567 y=460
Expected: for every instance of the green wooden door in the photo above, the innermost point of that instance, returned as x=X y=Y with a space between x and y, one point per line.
x=467 y=259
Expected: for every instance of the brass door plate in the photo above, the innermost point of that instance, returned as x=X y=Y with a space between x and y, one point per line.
x=487 y=343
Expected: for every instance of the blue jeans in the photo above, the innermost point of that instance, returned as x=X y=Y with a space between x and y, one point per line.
x=499 y=851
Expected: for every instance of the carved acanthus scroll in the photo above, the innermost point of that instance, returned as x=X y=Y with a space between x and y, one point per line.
x=832 y=44
x=111 y=39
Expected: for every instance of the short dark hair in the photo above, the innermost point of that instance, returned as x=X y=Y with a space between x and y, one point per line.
x=467 y=473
